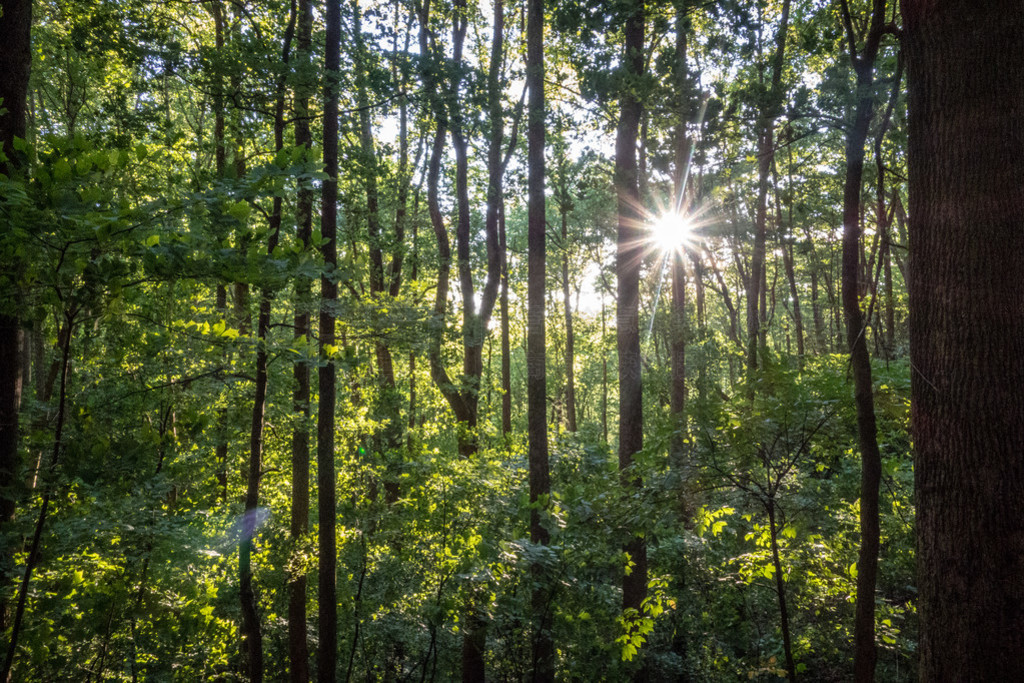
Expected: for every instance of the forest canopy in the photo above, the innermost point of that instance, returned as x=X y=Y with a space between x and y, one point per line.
x=564 y=340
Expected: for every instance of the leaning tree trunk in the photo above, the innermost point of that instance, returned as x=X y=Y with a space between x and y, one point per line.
x=965 y=66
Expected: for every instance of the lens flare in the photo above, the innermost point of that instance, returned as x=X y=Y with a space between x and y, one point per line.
x=671 y=232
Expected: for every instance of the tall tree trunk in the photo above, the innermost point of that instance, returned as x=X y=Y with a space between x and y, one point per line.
x=536 y=362
x=220 y=162
x=787 y=251
x=33 y=553
x=965 y=65
x=298 y=647
x=884 y=216
x=327 y=650
x=820 y=340
x=627 y=268
x=15 y=63
x=506 y=344
x=677 y=327
x=252 y=636
x=871 y=462
x=570 y=341
x=765 y=155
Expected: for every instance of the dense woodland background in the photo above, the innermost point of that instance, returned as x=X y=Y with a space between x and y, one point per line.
x=268 y=366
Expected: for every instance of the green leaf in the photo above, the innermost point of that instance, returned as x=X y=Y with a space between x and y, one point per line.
x=240 y=211
x=141 y=152
x=62 y=169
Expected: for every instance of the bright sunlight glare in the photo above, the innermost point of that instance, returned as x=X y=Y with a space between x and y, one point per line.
x=670 y=232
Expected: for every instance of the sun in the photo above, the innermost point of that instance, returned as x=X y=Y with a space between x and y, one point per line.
x=670 y=232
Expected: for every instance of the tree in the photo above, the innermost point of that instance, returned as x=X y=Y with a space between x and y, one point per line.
x=298 y=648
x=15 y=63
x=965 y=66
x=628 y=259
x=768 y=112
x=536 y=362
x=856 y=338
x=327 y=649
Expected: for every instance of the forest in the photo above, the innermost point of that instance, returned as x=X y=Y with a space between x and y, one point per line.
x=579 y=340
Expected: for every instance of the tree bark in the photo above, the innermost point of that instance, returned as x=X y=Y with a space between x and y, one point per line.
x=252 y=637
x=863 y=60
x=765 y=154
x=506 y=344
x=677 y=327
x=298 y=647
x=536 y=361
x=570 y=341
x=15 y=64
x=629 y=249
x=965 y=65
x=327 y=650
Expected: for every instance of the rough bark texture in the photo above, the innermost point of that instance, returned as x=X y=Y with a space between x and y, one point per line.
x=965 y=66
x=15 y=62
x=327 y=650
x=536 y=356
x=628 y=258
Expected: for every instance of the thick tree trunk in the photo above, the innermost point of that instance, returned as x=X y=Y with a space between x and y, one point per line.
x=628 y=259
x=536 y=361
x=327 y=650
x=965 y=65
x=15 y=63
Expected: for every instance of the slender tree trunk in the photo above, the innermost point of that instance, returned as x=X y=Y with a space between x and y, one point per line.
x=33 y=553
x=506 y=344
x=570 y=342
x=627 y=269
x=780 y=588
x=677 y=327
x=327 y=650
x=871 y=462
x=220 y=161
x=965 y=65
x=787 y=254
x=604 y=376
x=252 y=636
x=298 y=647
x=536 y=362
x=765 y=155
x=884 y=216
